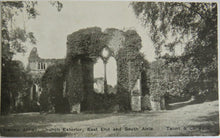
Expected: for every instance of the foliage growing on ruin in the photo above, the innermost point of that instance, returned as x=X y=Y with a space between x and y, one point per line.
x=105 y=102
x=75 y=85
x=52 y=85
x=86 y=42
x=127 y=56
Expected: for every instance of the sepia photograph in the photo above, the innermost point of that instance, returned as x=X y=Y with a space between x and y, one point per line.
x=109 y=68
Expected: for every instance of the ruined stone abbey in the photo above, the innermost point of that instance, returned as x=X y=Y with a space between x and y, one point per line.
x=37 y=67
x=83 y=49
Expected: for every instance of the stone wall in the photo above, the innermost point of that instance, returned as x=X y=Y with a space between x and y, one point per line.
x=158 y=105
x=74 y=83
x=88 y=81
x=88 y=43
x=80 y=84
x=136 y=96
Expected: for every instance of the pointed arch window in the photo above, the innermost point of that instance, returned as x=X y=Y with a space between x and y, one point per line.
x=42 y=65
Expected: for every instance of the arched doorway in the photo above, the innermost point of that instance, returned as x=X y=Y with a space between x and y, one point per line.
x=33 y=93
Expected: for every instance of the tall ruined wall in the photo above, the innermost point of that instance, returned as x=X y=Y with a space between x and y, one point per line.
x=52 y=96
x=87 y=44
x=74 y=82
x=37 y=65
x=83 y=48
x=129 y=63
x=88 y=78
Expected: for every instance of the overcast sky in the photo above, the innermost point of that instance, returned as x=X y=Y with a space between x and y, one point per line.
x=52 y=27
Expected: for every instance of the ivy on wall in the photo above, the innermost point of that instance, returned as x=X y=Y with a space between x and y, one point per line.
x=86 y=45
x=87 y=42
x=52 y=84
x=130 y=64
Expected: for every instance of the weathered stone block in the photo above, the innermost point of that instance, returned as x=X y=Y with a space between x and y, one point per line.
x=158 y=105
x=155 y=105
x=136 y=103
x=75 y=108
x=136 y=96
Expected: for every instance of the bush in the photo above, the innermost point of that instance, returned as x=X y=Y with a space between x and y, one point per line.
x=104 y=102
x=52 y=96
x=45 y=104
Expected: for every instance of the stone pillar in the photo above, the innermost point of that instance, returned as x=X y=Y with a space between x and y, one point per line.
x=136 y=97
x=135 y=92
x=64 y=89
x=135 y=103
x=162 y=103
x=88 y=80
x=155 y=105
x=74 y=85
x=31 y=93
x=158 y=105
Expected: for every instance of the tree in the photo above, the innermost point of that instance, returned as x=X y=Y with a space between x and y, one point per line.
x=15 y=84
x=192 y=26
x=14 y=40
x=14 y=37
x=171 y=79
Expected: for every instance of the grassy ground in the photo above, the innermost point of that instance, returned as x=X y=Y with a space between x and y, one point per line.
x=184 y=119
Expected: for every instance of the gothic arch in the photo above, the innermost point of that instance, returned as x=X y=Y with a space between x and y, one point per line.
x=83 y=49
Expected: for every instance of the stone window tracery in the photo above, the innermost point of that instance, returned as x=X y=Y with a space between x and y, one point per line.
x=41 y=66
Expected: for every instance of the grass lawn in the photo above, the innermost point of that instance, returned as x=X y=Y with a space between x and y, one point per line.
x=184 y=119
